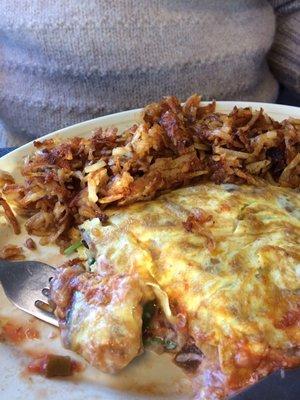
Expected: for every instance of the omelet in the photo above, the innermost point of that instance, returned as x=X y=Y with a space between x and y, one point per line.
x=223 y=264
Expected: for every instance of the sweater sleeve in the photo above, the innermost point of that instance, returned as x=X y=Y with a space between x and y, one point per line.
x=284 y=56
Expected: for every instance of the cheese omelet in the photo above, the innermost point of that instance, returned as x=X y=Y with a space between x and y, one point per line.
x=223 y=264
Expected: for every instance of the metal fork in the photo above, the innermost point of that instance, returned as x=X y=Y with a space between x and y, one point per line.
x=26 y=284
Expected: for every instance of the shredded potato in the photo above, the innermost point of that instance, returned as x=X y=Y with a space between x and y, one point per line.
x=30 y=244
x=10 y=216
x=285 y=177
x=74 y=180
x=199 y=222
x=11 y=252
x=5 y=178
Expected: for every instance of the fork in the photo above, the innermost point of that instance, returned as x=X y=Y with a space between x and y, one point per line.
x=26 y=284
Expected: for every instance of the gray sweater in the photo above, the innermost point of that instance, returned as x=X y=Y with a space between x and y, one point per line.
x=62 y=62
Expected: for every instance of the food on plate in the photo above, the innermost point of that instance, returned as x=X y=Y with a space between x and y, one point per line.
x=104 y=323
x=11 y=252
x=52 y=365
x=9 y=215
x=208 y=272
x=67 y=182
x=30 y=244
x=15 y=333
x=5 y=178
x=215 y=269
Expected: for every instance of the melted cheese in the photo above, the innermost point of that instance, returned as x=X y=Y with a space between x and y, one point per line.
x=104 y=321
x=242 y=297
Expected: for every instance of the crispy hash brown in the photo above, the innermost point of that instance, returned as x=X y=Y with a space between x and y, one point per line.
x=11 y=252
x=69 y=182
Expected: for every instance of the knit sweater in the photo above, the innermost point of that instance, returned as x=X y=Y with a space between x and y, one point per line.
x=63 y=62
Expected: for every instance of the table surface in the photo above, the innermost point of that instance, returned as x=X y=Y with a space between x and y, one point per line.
x=5 y=151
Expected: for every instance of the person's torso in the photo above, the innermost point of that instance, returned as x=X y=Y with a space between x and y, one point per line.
x=106 y=56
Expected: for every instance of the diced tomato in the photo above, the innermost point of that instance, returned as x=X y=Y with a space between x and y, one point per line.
x=18 y=334
x=51 y=365
x=38 y=366
x=292 y=317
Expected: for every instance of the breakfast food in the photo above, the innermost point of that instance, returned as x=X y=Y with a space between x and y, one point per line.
x=53 y=365
x=10 y=216
x=77 y=179
x=11 y=252
x=100 y=316
x=186 y=228
x=221 y=265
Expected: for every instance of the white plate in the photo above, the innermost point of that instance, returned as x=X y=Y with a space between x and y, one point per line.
x=148 y=375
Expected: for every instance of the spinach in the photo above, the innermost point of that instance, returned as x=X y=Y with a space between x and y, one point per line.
x=167 y=343
x=148 y=312
x=71 y=249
